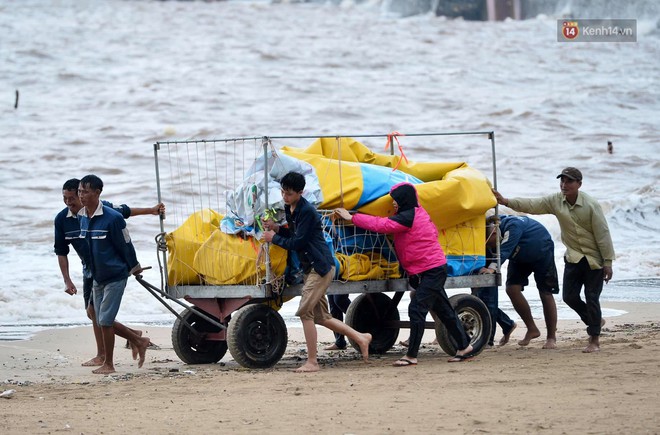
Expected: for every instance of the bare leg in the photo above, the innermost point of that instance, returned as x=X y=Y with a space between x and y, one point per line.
x=550 y=314
x=363 y=340
x=108 y=367
x=312 y=364
x=138 y=343
x=98 y=337
x=522 y=308
x=505 y=339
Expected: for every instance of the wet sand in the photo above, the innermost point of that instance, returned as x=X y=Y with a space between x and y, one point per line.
x=509 y=389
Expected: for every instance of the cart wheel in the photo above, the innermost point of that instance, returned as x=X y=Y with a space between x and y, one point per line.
x=374 y=313
x=257 y=336
x=192 y=349
x=475 y=318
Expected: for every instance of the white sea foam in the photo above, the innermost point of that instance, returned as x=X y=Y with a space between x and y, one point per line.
x=100 y=82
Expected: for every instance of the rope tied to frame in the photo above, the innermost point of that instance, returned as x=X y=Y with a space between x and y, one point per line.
x=391 y=138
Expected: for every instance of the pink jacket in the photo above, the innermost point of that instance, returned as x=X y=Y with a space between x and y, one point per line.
x=417 y=248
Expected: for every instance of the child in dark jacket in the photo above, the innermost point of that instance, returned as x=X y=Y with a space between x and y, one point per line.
x=304 y=235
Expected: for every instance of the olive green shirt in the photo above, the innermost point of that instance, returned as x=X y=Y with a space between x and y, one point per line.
x=584 y=230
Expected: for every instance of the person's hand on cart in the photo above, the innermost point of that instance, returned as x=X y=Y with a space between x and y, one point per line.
x=343 y=213
x=267 y=236
x=486 y=271
x=270 y=225
x=271 y=229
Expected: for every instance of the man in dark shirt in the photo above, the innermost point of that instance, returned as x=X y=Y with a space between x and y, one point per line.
x=305 y=236
x=112 y=259
x=529 y=248
x=67 y=233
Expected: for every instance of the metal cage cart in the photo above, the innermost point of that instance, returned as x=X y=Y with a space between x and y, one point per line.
x=195 y=179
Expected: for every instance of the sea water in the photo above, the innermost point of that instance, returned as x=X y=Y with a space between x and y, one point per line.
x=99 y=82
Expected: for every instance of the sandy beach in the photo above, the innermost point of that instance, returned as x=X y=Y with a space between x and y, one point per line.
x=507 y=389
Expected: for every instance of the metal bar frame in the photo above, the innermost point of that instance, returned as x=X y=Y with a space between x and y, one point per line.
x=264 y=290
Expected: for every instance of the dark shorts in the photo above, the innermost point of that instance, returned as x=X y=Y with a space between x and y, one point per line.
x=88 y=284
x=545 y=274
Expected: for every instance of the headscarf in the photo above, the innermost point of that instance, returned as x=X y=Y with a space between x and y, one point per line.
x=405 y=196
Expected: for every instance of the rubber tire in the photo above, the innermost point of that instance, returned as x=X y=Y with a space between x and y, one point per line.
x=257 y=336
x=366 y=314
x=475 y=318
x=186 y=346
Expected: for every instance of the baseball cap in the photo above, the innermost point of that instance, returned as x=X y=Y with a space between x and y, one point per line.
x=572 y=173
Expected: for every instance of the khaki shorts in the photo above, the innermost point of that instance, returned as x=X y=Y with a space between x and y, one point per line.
x=313 y=304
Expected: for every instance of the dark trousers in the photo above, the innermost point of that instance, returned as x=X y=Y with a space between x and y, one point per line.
x=430 y=295
x=489 y=297
x=577 y=275
x=338 y=306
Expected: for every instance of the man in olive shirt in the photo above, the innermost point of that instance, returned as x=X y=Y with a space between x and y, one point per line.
x=589 y=249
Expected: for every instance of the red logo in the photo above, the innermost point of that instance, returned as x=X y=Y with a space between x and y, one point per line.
x=570 y=30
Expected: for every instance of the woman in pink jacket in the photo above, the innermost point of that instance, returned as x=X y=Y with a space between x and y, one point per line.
x=421 y=256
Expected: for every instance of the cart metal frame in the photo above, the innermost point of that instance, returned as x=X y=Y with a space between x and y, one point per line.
x=202 y=332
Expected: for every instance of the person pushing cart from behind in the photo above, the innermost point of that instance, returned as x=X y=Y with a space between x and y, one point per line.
x=304 y=235
x=421 y=256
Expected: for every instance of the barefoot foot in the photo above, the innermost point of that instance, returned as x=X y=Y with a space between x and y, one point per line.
x=94 y=362
x=308 y=367
x=529 y=336
x=365 y=341
x=128 y=342
x=593 y=346
x=139 y=349
x=104 y=370
x=550 y=343
x=142 y=345
x=504 y=340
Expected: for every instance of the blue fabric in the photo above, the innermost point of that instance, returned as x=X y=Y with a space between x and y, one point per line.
x=67 y=232
x=106 y=300
x=459 y=265
x=349 y=240
x=378 y=180
x=524 y=238
x=111 y=252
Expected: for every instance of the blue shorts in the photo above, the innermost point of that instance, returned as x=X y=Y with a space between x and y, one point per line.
x=107 y=298
x=544 y=270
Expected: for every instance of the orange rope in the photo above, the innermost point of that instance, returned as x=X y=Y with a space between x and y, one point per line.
x=395 y=136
